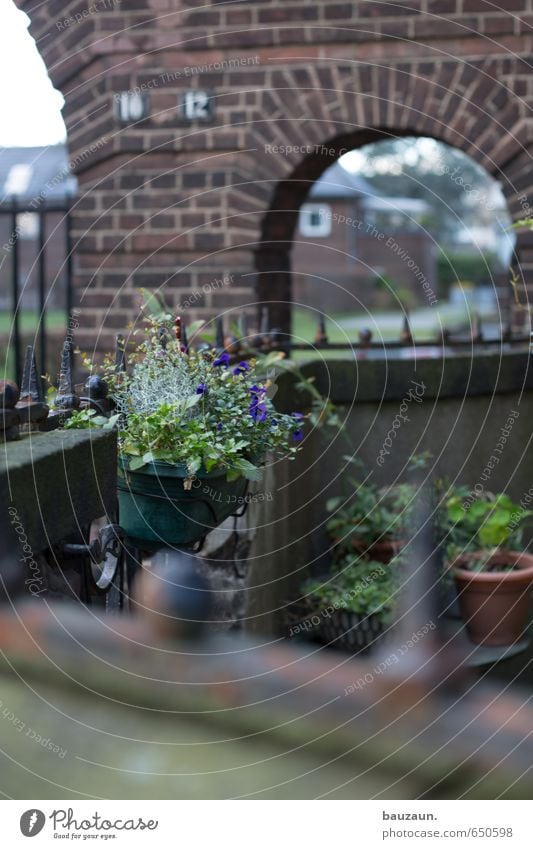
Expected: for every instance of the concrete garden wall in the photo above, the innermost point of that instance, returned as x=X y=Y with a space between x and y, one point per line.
x=464 y=410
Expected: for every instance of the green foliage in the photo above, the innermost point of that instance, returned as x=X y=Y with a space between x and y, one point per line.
x=482 y=523
x=396 y=295
x=371 y=514
x=323 y=414
x=195 y=409
x=526 y=223
x=86 y=418
x=360 y=586
x=464 y=266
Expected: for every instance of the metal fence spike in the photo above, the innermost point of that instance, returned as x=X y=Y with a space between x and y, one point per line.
x=321 y=337
x=66 y=398
x=264 y=323
x=477 y=328
x=365 y=337
x=120 y=353
x=406 y=336
x=163 y=338
x=184 y=340
x=219 y=338
x=31 y=386
x=243 y=327
x=177 y=328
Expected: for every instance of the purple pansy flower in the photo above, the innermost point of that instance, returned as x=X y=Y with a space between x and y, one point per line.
x=297 y=416
x=257 y=409
x=258 y=412
x=219 y=426
x=297 y=435
x=241 y=368
x=201 y=389
x=256 y=390
x=222 y=360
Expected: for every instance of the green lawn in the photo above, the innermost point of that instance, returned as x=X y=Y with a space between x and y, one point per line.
x=55 y=320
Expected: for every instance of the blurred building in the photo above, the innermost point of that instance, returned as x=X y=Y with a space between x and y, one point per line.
x=352 y=244
x=34 y=179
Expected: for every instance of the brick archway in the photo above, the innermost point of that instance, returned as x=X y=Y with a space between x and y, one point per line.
x=461 y=122
x=165 y=203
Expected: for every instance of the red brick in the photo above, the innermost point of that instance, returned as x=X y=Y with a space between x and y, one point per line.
x=428 y=27
x=286 y=14
x=202 y=18
x=338 y=11
x=490 y=6
x=153 y=242
x=238 y=16
x=498 y=25
x=384 y=9
x=394 y=29
x=439 y=7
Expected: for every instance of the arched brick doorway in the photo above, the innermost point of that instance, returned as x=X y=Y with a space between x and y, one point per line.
x=273 y=256
x=173 y=204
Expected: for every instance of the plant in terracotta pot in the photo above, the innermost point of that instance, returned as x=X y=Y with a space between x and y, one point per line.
x=352 y=607
x=367 y=523
x=194 y=428
x=492 y=574
x=372 y=521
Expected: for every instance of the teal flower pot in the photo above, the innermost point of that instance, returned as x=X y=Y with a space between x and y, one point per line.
x=155 y=510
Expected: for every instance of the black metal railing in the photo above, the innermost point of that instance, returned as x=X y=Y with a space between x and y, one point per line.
x=33 y=263
x=246 y=337
x=266 y=337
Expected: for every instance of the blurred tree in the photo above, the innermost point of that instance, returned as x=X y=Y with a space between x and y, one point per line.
x=465 y=267
x=460 y=193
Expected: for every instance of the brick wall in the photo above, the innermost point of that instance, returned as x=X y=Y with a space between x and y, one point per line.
x=167 y=203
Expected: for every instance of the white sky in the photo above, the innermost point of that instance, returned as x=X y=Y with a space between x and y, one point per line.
x=31 y=107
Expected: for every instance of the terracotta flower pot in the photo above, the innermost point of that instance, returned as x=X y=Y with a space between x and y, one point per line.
x=382 y=552
x=494 y=605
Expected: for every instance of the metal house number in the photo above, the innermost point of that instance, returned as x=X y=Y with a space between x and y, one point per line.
x=197 y=105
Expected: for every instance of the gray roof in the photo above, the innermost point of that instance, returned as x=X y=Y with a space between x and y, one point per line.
x=35 y=172
x=337 y=182
x=395 y=204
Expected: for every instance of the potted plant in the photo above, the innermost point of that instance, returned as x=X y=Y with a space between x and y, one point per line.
x=351 y=608
x=193 y=430
x=372 y=521
x=492 y=574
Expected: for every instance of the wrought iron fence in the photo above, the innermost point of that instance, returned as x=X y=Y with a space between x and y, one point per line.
x=36 y=261
x=447 y=338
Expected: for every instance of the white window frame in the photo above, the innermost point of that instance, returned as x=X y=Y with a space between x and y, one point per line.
x=309 y=230
x=28 y=225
